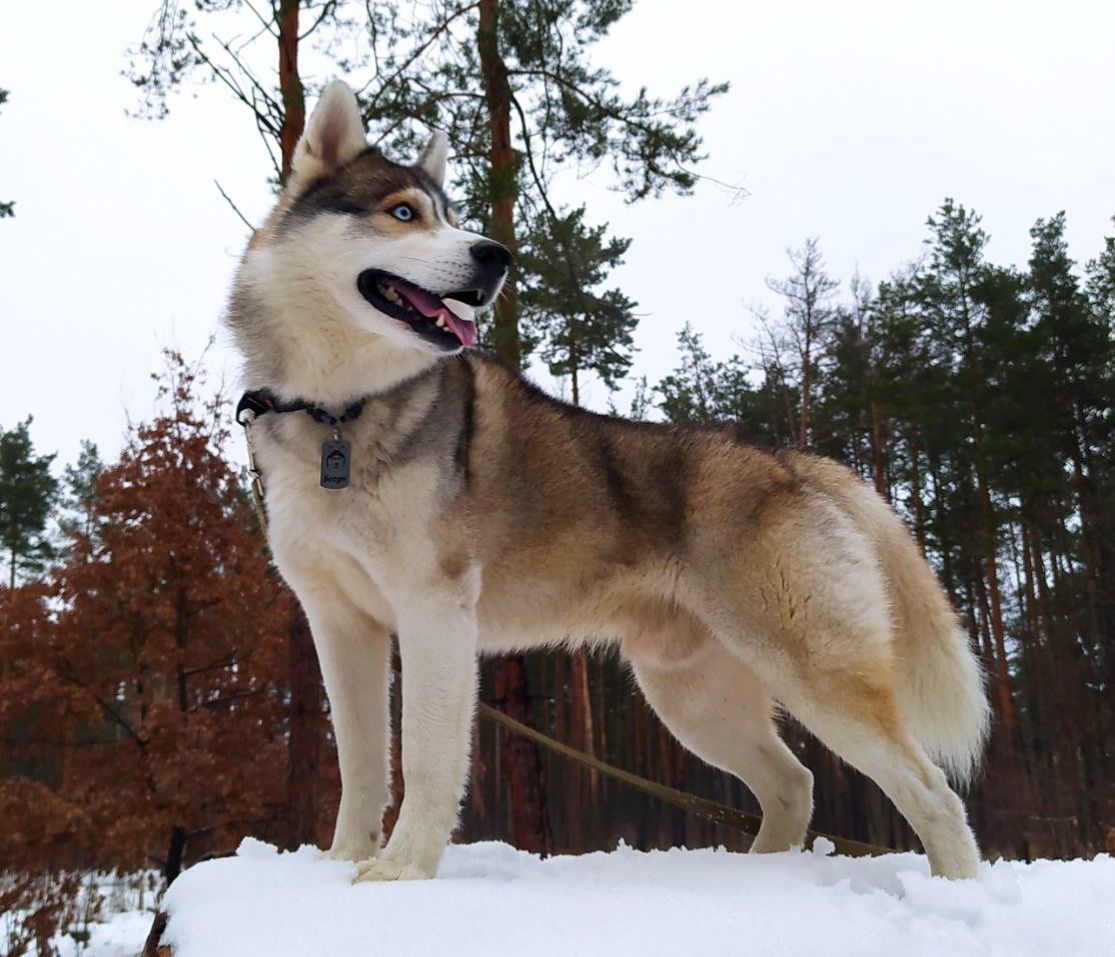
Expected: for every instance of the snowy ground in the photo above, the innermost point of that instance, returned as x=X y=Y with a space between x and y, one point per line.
x=491 y=899
x=122 y=935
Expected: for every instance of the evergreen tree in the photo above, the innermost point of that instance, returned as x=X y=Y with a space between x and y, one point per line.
x=640 y=402
x=1071 y=343
x=577 y=328
x=846 y=417
x=688 y=395
x=701 y=391
x=1101 y=284
x=27 y=492
x=949 y=292
x=79 y=492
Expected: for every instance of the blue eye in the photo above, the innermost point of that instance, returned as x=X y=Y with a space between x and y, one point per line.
x=403 y=212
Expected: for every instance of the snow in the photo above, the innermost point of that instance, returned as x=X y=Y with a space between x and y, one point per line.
x=489 y=898
x=118 y=927
x=122 y=935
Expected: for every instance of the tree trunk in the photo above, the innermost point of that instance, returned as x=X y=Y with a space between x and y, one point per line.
x=304 y=745
x=803 y=436
x=175 y=854
x=878 y=453
x=524 y=765
x=502 y=183
x=290 y=83
x=915 y=489
x=585 y=734
x=1006 y=696
x=943 y=539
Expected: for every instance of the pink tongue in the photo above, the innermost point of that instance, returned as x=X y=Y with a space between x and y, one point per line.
x=461 y=328
x=431 y=307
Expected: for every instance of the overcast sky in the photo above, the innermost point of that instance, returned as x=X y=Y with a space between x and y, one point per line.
x=846 y=121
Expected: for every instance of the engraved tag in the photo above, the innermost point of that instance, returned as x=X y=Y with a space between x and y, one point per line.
x=334 y=463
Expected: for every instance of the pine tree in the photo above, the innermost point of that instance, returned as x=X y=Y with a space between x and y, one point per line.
x=79 y=493
x=1101 y=283
x=578 y=328
x=701 y=391
x=949 y=293
x=27 y=492
x=1099 y=434
x=1071 y=346
x=688 y=396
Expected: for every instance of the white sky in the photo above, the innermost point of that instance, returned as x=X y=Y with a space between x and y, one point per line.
x=848 y=121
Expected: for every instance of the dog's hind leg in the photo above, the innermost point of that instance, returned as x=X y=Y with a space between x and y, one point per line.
x=854 y=713
x=717 y=708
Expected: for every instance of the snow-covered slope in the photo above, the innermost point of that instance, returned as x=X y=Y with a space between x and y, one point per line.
x=491 y=899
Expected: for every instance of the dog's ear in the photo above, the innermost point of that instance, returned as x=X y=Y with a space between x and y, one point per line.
x=432 y=160
x=334 y=135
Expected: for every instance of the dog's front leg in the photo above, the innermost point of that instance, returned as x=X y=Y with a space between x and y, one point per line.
x=355 y=656
x=437 y=644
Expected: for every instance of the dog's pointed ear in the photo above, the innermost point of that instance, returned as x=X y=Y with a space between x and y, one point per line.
x=334 y=134
x=432 y=160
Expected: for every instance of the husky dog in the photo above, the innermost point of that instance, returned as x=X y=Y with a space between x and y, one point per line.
x=481 y=516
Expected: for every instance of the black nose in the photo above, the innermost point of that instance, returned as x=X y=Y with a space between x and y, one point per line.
x=491 y=256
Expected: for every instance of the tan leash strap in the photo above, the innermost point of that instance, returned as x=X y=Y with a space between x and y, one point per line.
x=712 y=810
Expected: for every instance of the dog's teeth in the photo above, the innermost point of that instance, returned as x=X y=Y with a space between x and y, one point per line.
x=441 y=322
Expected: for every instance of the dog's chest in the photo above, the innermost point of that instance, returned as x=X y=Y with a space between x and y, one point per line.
x=381 y=506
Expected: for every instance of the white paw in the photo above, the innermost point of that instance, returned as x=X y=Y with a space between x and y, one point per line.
x=386 y=869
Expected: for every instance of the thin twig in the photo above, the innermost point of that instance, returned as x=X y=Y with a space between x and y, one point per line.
x=228 y=199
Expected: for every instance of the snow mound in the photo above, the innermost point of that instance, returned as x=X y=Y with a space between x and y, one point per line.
x=489 y=899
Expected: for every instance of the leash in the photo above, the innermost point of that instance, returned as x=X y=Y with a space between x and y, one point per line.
x=714 y=811
x=263 y=401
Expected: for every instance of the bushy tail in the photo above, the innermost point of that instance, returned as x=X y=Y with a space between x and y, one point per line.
x=940 y=680
x=941 y=693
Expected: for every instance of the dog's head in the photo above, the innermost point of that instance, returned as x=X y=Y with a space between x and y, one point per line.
x=360 y=239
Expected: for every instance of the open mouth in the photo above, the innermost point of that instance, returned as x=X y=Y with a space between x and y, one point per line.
x=447 y=320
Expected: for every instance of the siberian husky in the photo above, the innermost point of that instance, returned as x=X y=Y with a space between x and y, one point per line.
x=469 y=513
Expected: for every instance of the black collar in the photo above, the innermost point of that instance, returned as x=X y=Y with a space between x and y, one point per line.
x=261 y=401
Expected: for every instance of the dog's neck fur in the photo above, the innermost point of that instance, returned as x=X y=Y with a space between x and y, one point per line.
x=306 y=347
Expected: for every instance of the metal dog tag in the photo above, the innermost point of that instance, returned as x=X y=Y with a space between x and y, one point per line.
x=335 y=461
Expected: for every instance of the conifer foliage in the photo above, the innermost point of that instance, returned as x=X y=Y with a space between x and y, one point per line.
x=27 y=492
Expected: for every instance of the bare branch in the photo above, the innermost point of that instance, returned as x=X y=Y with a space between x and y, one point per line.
x=235 y=209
